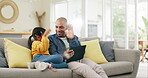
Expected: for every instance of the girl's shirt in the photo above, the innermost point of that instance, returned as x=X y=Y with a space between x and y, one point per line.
x=40 y=47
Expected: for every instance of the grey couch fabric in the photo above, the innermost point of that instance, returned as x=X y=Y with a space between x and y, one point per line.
x=33 y=73
x=132 y=56
x=117 y=68
x=125 y=66
x=106 y=47
x=3 y=62
x=107 y=50
x=2 y=53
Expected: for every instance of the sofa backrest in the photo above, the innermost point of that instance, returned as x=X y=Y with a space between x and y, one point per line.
x=20 y=41
x=24 y=41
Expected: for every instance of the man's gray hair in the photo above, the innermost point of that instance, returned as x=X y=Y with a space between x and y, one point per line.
x=62 y=19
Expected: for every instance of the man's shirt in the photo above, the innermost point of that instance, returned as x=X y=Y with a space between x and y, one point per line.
x=57 y=46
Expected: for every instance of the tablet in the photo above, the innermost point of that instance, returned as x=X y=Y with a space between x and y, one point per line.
x=78 y=53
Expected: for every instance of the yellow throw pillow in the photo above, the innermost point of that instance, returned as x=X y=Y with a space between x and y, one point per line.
x=16 y=55
x=93 y=51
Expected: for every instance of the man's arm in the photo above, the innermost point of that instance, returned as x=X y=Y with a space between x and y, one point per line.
x=72 y=39
x=69 y=32
x=74 y=42
x=52 y=49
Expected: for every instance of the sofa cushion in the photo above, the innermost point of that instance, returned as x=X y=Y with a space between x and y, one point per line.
x=2 y=53
x=17 y=56
x=76 y=75
x=21 y=41
x=107 y=50
x=3 y=62
x=33 y=73
x=93 y=51
x=106 y=47
x=117 y=68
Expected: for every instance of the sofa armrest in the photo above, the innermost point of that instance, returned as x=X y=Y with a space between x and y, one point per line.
x=129 y=55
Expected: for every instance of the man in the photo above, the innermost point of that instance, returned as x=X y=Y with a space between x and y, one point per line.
x=65 y=38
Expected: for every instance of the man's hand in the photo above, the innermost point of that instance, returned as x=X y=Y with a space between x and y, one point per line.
x=69 y=32
x=46 y=32
x=70 y=52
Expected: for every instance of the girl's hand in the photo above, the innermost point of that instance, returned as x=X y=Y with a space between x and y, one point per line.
x=69 y=32
x=46 y=32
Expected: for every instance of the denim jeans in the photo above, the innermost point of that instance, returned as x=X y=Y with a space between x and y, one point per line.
x=55 y=60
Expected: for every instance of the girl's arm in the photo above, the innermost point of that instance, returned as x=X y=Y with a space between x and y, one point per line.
x=40 y=47
x=44 y=45
x=46 y=32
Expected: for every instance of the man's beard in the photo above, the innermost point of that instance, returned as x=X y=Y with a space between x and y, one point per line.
x=61 y=34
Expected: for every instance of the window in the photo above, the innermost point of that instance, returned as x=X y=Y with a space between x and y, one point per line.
x=70 y=9
x=119 y=20
x=142 y=18
x=131 y=23
x=94 y=18
x=92 y=30
x=118 y=9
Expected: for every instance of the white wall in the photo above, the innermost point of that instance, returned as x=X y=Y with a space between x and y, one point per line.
x=26 y=19
x=46 y=8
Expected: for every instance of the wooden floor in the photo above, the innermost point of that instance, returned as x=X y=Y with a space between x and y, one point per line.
x=143 y=70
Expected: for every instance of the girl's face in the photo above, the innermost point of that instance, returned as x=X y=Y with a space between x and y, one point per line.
x=39 y=38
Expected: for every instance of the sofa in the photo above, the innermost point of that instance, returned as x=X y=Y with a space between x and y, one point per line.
x=125 y=65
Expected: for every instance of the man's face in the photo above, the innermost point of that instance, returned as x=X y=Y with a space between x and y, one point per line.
x=60 y=29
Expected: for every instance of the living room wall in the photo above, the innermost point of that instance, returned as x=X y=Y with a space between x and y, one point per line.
x=27 y=19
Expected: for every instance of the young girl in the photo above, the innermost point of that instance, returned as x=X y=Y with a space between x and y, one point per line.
x=39 y=47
